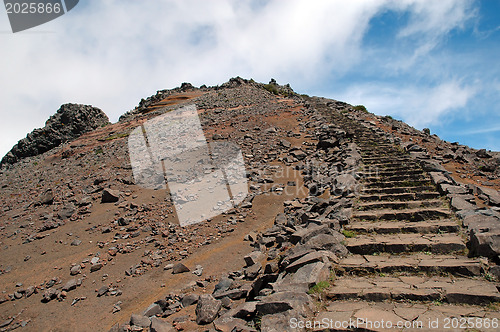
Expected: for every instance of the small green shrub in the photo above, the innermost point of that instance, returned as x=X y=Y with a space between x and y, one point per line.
x=360 y=108
x=319 y=287
x=271 y=88
x=112 y=137
x=349 y=234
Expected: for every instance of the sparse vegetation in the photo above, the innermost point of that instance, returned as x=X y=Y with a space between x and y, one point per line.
x=348 y=233
x=115 y=136
x=489 y=277
x=360 y=108
x=319 y=287
x=271 y=88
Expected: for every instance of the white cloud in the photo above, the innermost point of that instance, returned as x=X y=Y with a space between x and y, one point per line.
x=418 y=106
x=113 y=53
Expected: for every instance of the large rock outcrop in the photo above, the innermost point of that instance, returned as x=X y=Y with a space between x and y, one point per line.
x=69 y=122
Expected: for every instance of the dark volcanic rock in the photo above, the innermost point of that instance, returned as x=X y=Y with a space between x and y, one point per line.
x=110 y=196
x=207 y=309
x=179 y=268
x=70 y=122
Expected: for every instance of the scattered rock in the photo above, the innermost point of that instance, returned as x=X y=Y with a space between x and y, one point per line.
x=207 y=309
x=102 y=291
x=110 y=196
x=140 y=320
x=179 y=268
x=189 y=299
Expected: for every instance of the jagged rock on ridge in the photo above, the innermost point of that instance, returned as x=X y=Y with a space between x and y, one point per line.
x=69 y=122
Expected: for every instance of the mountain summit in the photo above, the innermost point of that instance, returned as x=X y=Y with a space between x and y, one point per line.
x=242 y=207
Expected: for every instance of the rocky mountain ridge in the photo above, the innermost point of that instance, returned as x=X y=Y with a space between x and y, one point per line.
x=335 y=194
x=69 y=122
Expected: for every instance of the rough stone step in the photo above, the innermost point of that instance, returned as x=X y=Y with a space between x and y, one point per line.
x=396 y=168
x=401 y=243
x=394 y=227
x=399 y=190
x=377 y=152
x=390 y=164
x=396 y=178
x=399 y=196
x=446 y=289
x=413 y=263
x=418 y=214
x=398 y=205
x=392 y=184
x=385 y=316
x=388 y=173
x=386 y=160
x=373 y=151
x=402 y=175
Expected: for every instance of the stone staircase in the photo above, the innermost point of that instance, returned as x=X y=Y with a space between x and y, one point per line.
x=408 y=257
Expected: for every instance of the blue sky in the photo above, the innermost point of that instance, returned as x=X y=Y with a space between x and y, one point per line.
x=430 y=63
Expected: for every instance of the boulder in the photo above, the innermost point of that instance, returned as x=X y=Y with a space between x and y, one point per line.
x=49 y=295
x=298 y=153
x=70 y=285
x=110 y=196
x=46 y=198
x=189 y=299
x=331 y=242
x=284 y=301
x=307 y=275
x=153 y=310
x=207 y=309
x=253 y=258
x=459 y=203
x=432 y=166
x=483 y=154
x=484 y=236
x=159 y=325
x=180 y=268
x=492 y=195
x=344 y=184
x=304 y=234
x=140 y=320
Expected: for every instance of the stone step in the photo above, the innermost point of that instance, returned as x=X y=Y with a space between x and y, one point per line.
x=397 y=178
x=387 y=173
x=403 y=243
x=386 y=159
x=399 y=190
x=400 y=196
x=392 y=164
x=392 y=184
x=375 y=150
x=378 y=152
x=394 y=227
x=396 y=168
x=413 y=263
x=418 y=214
x=410 y=317
x=398 y=205
x=475 y=291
